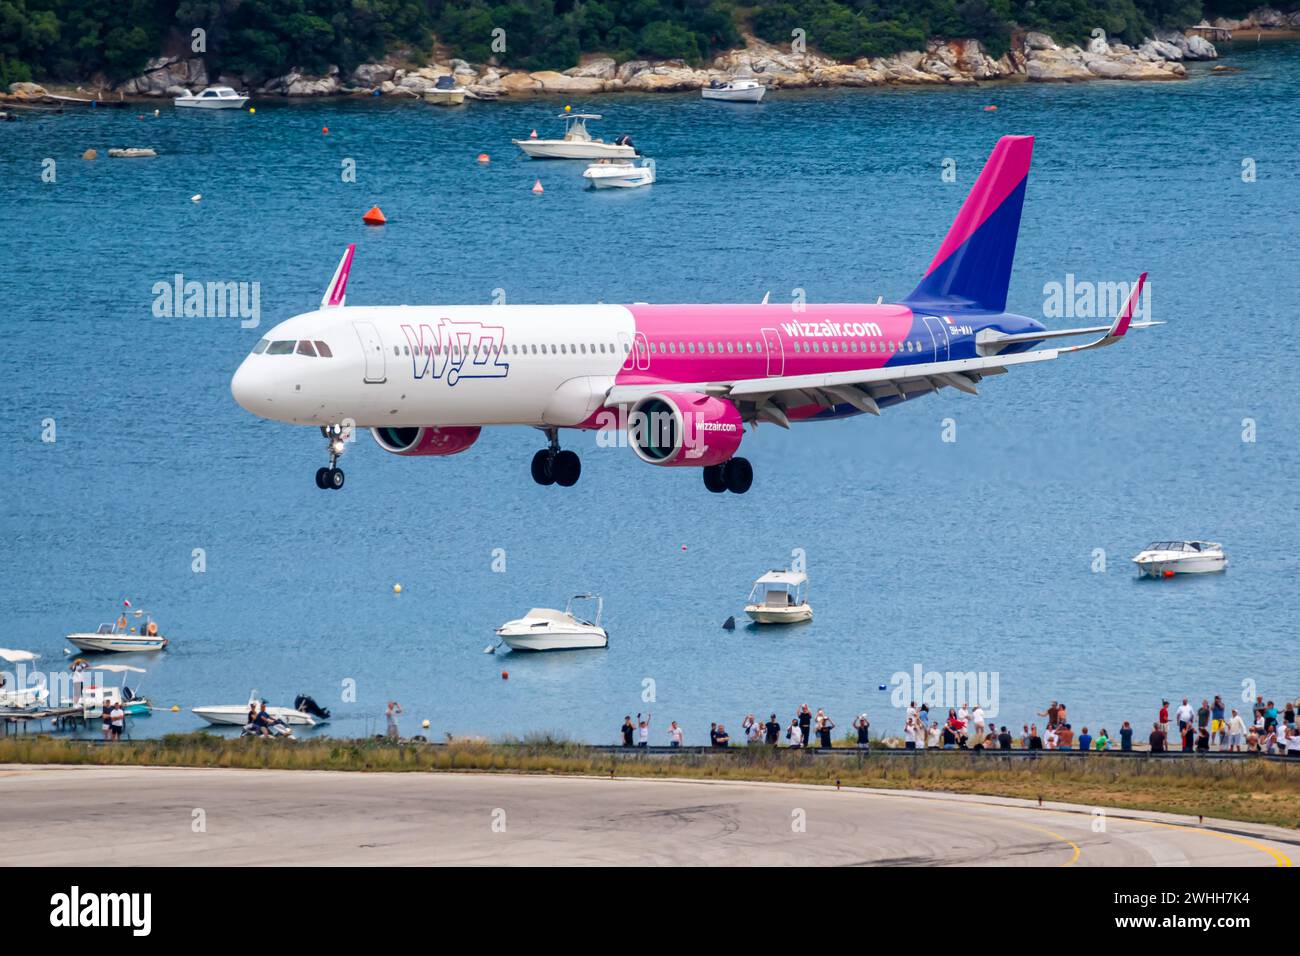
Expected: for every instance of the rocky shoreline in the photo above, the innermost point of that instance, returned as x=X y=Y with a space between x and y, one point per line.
x=1033 y=57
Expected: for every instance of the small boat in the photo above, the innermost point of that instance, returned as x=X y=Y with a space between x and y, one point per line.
x=577 y=142
x=20 y=698
x=779 y=597
x=546 y=629
x=120 y=638
x=132 y=152
x=94 y=697
x=213 y=98
x=734 y=91
x=446 y=92
x=1164 y=559
x=236 y=715
x=618 y=173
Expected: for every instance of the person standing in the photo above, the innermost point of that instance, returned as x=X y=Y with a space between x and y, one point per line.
x=720 y=737
x=643 y=731
x=1203 y=717
x=1126 y=737
x=1053 y=710
x=794 y=734
x=118 y=716
x=628 y=731
x=772 y=731
x=863 y=727
x=1218 y=726
x=1004 y=739
x=824 y=727
x=1236 y=732
x=805 y=724
x=1085 y=740
x=1184 y=716
x=106 y=718
x=390 y=715
x=1164 y=717
x=675 y=735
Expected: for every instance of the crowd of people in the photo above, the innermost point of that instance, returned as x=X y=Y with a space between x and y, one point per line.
x=1264 y=728
x=805 y=729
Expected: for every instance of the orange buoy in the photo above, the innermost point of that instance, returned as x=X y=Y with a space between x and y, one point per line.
x=533 y=135
x=374 y=217
x=990 y=109
x=483 y=158
x=505 y=675
x=537 y=187
x=325 y=130
x=1169 y=574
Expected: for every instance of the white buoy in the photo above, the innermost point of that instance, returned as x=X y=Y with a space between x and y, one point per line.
x=397 y=589
x=537 y=187
x=196 y=197
x=424 y=724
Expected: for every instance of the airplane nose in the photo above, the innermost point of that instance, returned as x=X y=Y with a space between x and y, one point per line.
x=246 y=388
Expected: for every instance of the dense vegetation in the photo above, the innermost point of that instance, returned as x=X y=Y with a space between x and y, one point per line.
x=78 y=39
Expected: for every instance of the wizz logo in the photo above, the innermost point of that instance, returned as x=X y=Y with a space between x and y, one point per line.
x=457 y=350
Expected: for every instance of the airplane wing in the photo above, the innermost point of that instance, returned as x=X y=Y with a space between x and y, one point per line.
x=769 y=398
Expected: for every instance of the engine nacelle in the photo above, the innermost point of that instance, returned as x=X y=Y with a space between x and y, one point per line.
x=428 y=440
x=684 y=428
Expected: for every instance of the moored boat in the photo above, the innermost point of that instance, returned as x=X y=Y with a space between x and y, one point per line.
x=779 y=597
x=577 y=143
x=1163 y=559
x=546 y=629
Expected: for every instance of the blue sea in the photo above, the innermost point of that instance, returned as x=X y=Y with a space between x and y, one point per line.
x=980 y=555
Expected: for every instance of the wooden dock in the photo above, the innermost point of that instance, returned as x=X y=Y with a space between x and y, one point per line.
x=17 y=720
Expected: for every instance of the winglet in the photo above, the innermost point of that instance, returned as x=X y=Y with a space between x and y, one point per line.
x=1126 y=314
x=336 y=293
x=1121 y=323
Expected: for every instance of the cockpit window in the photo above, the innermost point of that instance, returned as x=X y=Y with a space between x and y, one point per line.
x=260 y=347
x=324 y=350
x=284 y=347
x=306 y=348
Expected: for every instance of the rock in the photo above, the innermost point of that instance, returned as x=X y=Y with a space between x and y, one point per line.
x=669 y=77
x=296 y=83
x=519 y=83
x=1159 y=50
x=387 y=87
x=552 y=82
x=601 y=68
x=1056 y=66
x=163 y=73
x=370 y=75
x=631 y=68
x=26 y=90
x=416 y=83
x=1199 y=48
x=1098 y=46
x=1268 y=18
x=1039 y=41
x=175 y=91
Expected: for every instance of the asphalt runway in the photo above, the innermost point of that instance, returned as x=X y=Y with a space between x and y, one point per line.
x=207 y=817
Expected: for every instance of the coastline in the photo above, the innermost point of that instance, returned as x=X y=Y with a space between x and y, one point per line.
x=956 y=62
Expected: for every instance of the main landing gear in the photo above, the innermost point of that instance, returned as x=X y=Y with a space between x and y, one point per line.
x=332 y=477
x=734 y=475
x=551 y=466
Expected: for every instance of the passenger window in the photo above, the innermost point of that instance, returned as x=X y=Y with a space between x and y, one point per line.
x=260 y=347
x=283 y=347
x=306 y=348
x=323 y=350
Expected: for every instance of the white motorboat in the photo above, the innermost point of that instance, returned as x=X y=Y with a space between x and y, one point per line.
x=236 y=715
x=577 y=142
x=13 y=697
x=94 y=696
x=734 y=91
x=1164 y=559
x=619 y=174
x=779 y=597
x=446 y=92
x=118 y=638
x=213 y=98
x=546 y=629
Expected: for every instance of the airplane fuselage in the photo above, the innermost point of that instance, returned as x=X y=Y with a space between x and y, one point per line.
x=553 y=365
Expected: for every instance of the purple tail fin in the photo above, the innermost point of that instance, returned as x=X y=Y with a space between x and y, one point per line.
x=972 y=269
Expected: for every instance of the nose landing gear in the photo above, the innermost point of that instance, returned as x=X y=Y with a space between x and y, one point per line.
x=332 y=476
x=551 y=466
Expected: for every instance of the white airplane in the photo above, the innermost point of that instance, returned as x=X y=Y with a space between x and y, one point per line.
x=684 y=380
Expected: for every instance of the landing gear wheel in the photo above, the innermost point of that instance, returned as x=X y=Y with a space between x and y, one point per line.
x=714 y=480
x=331 y=477
x=566 y=467
x=542 y=468
x=738 y=474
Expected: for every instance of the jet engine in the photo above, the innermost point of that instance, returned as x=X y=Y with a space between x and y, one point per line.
x=684 y=428
x=426 y=440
